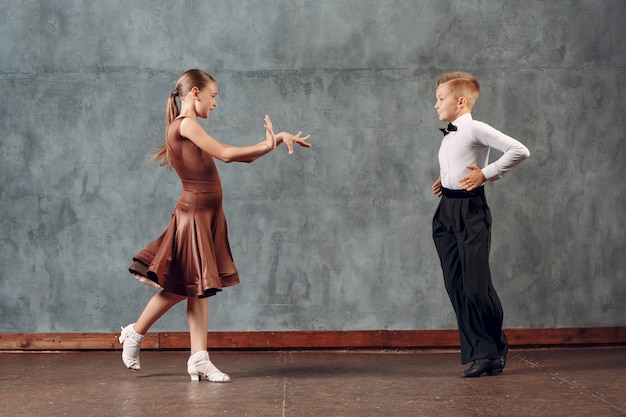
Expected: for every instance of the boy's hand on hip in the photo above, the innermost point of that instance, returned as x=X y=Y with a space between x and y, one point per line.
x=437 y=188
x=474 y=179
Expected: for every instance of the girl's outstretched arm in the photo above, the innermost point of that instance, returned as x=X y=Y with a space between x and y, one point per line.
x=192 y=130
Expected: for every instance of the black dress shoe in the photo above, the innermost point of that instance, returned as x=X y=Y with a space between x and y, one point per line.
x=483 y=366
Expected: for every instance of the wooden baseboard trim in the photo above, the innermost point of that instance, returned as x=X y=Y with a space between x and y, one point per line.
x=354 y=339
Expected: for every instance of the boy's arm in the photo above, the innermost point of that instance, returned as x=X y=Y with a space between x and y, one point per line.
x=513 y=151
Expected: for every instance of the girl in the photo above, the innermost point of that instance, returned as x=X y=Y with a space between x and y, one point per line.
x=192 y=260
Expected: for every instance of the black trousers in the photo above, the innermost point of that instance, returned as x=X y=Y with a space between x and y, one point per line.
x=462 y=236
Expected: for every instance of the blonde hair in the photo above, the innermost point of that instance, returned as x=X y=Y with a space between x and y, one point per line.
x=461 y=84
x=188 y=80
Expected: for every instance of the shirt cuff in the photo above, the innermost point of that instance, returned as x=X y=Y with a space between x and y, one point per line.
x=492 y=173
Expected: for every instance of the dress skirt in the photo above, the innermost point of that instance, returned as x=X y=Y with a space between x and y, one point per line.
x=192 y=257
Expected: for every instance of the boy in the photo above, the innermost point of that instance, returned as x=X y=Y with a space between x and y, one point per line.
x=462 y=221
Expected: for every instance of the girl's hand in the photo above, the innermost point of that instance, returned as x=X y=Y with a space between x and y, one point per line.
x=270 y=137
x=290 y=139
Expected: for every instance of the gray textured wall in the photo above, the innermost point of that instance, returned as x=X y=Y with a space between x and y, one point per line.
x=336 y=237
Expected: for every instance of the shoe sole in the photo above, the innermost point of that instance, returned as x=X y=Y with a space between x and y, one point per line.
x=492 y=372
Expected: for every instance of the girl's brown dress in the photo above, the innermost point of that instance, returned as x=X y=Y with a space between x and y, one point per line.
x=192 y=257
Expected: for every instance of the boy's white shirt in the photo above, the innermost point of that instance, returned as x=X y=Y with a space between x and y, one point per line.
x=470 y=145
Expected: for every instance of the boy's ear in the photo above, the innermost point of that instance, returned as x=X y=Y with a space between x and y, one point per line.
x=462 y=102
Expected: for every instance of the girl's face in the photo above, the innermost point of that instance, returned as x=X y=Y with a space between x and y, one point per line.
x=447 y=105
x=206 y=100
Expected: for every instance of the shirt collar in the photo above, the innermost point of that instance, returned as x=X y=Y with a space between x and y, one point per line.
x=467 y=117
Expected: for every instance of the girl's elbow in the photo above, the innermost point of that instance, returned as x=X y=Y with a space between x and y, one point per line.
x=229 y=159
x=226 y=157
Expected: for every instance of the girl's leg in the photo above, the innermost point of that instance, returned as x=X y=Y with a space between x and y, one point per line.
x=199 y=362
x=198 y=319
x=133 y=334
x=158 y=305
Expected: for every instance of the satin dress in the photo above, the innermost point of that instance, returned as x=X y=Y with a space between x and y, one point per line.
x=192 y=257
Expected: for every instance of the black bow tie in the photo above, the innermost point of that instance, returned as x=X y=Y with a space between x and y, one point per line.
x=450 y=128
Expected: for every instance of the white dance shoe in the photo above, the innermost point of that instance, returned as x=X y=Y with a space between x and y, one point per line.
x=132 y=342
x=200 y=365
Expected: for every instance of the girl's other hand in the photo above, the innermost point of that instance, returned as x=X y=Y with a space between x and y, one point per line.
x=290 y=139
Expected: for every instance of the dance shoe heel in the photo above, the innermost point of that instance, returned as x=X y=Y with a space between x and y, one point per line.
x=505 y=352
x=132 y=344
x=200 y=365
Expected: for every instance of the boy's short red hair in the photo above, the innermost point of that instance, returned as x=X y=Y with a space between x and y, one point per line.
x=461 y=84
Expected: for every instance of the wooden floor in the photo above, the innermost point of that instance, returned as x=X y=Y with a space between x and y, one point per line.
x=545 y=382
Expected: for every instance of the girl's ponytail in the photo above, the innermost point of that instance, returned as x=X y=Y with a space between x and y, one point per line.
x=163 y=154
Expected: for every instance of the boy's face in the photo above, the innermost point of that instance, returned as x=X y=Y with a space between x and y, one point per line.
x=447 y=105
